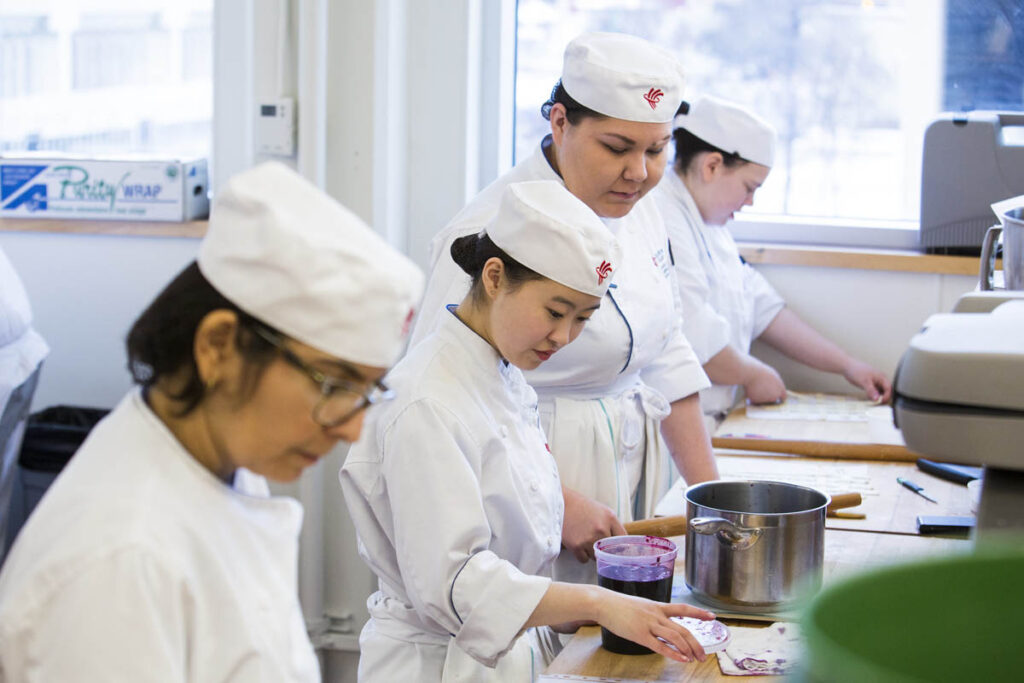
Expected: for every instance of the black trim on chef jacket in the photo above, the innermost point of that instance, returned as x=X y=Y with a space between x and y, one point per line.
x=451 y=590
x=629 y=354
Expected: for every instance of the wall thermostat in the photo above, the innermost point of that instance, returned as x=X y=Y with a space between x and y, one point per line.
x=275 y=126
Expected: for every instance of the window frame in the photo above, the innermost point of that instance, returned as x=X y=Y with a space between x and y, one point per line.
x=855 y=232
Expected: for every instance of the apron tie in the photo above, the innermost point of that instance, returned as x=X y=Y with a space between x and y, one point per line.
x=652 y=405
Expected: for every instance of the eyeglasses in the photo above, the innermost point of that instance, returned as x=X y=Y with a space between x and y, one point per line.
x=340 y=401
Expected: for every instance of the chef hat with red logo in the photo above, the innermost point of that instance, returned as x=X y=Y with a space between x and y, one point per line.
x=550 y=231
x=623 y=76
x=730 y=128
x=292 y=257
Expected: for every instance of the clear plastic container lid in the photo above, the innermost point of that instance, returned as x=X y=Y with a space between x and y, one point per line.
x=635 y=551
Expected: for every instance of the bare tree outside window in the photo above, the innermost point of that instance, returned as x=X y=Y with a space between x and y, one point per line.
x=106 y=77
x=850 y=85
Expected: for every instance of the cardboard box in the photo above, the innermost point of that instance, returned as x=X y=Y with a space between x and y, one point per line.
x=119 y=189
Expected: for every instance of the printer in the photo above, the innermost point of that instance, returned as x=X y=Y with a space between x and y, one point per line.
x=959 y=396
x=970 y=160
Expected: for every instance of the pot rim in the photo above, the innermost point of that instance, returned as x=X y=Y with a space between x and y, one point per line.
x=734 y=482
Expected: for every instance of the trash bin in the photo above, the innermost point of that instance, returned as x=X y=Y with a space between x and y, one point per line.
x=51 y=437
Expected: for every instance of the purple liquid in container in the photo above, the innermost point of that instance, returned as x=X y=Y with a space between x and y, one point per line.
x=634 y=565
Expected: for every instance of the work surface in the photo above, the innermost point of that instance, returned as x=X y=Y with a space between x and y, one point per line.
x=887 y=506
x=818 y=438
x=845 y=552
x=886 y=535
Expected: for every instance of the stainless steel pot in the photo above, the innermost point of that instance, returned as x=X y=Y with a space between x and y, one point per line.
x=754 y=546
x=1011 y=232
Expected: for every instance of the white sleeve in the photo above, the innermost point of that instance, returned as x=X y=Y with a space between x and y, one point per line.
x=122 y=618
x=708 y=331
x=767 y=301
x=432 y=465
x=677 y=372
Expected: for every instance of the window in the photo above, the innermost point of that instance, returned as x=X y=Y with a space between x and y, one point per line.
x=849 y=84
x=106 y=76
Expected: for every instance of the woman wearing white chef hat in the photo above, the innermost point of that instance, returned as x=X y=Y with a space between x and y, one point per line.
x=723 y=154
x=454 y=494
x=632 y=371
x=158 y=554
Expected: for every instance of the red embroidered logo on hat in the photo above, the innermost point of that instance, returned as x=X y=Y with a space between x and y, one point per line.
x=654 y=96
x=602 y=271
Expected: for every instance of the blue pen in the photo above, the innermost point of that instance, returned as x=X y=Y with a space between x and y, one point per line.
x=915 y=488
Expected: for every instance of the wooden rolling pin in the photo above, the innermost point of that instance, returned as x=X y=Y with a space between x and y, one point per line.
x=676 y=524
x=658 y=526
x=818 y=449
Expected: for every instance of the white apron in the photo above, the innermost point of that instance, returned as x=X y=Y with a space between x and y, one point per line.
x=458 y=508
x=725 y=301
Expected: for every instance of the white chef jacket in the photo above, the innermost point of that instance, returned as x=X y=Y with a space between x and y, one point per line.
x=458 y=508
x=725 y=301
x=603 y=396
x=140 y=565
x=21 y=347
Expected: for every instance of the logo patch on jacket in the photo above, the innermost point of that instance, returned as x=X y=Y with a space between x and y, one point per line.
x=661 y=262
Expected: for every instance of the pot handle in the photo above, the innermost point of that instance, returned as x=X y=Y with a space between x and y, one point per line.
x=988 y=259
x=728 y=534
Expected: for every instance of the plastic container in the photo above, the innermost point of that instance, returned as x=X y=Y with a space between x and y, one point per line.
x=951 y=619
x=634 y=565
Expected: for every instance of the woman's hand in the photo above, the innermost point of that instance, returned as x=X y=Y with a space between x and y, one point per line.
x=586 y=521
x=873 y=382
x=647 y=623
x=763 y=383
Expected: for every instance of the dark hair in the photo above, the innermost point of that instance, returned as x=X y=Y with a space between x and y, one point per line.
x=689 y=145
x=160 y=342
x=574 y=111
x=471 y=252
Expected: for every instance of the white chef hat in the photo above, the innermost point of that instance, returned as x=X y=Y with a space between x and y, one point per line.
x=292 y=257
x=623 y=76
x=550 y=231
x=730 y=128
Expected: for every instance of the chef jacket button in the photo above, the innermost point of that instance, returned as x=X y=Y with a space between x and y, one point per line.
x=534 y=486
x=503 y=430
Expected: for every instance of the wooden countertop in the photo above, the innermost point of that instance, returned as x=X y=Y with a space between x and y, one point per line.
x=888 y=508
x=845 y=552
x=886 y=535
x=863 y=259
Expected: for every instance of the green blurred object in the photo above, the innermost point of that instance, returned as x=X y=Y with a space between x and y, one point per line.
x=958 y=618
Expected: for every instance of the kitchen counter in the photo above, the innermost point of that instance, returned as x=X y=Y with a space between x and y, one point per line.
x=845 y=552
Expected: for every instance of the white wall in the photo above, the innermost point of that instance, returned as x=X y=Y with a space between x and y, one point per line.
x=85 y=291
x=871 y=314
